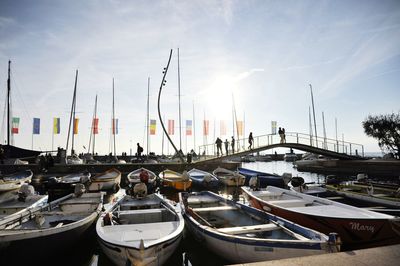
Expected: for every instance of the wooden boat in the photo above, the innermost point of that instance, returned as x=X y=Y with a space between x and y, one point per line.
x=228 y=177
x=58 y=187
x=18 y=201
x=357 y=228
x=15 y=180
x=50 y=228
x=133 y=177
x=175 y=180
x=143 y=231
x=264 y=179
x=106 y=181
x=242 y=234
x=368 y=193
x=203 y=179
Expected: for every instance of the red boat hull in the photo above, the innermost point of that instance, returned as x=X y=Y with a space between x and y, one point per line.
x=354 y=233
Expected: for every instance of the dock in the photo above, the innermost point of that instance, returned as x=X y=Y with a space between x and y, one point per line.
x=382 y=256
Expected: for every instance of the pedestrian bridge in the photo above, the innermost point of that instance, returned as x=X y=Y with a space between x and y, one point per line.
x=333 y=148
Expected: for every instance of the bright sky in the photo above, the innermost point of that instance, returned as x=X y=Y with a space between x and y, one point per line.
x=265 y=52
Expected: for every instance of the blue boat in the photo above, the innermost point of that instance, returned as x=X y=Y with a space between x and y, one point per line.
x=203 y=179
x=265 y=179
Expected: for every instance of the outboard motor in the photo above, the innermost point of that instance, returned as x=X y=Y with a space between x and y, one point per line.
x=254 y=183
x=140 y=190
x=297 y=181
x=286 y=178
x=24 y=191
x=79 y=189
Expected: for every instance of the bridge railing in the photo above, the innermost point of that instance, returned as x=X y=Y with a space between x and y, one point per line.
x=339 y=146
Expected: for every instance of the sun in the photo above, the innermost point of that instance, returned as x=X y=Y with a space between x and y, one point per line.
x=219 y=99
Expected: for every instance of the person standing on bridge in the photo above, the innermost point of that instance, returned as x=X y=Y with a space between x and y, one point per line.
x=284 y=135
x=226 y=146
x=233 y=145
x=219 y=146
x=280 y=134
x=251 y=140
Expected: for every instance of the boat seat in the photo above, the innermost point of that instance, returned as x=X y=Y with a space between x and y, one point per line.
x=140 y=216
x=249 y=229
x=290 y=203
x=217 y=208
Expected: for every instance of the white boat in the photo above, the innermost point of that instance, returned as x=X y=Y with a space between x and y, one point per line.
x=18 y=201
x=228 y=177
x=144 y=231
x=134 y=176
x=50 y=228
x=74 y=159
x=203 y=179
x=242 y=234
x=15 y=180
x=107 y=181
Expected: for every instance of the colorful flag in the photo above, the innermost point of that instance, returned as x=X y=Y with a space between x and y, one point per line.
x=56 y=125
x=222 y=128
x=273 y=127
x=188 y=127
x=76 y=122
x=95 y=126
x=240 y=127
x=153 y=126
x=15 y=125
x=170 y=127
x=206 y=124
x=36 y=125
x=114 y=126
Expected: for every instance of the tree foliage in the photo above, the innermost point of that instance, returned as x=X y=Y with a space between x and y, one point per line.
x=386 y=129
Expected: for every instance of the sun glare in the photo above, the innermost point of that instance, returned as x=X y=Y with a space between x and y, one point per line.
x=219 y=98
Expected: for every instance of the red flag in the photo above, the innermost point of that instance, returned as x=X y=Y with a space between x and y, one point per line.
x=95 y=126
x=171 y=127
x=206 y=124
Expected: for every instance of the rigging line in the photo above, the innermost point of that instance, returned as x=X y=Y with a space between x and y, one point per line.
x=18 y=94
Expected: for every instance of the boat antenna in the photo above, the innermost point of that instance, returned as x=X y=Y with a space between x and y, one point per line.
x=159 y=112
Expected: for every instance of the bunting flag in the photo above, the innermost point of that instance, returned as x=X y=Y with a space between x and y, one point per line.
x=95 y=126
x=170 y=127
x=240 y=127
x=15 y=125
x=206 y=124
x=114 y=126
x=76 y=122
x=188 y=127
x=56 y=125
x=273 y=127
x=153 y=126
x=36 y=125
x=222 y=128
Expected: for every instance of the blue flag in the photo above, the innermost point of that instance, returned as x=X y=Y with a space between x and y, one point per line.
x=36 y=125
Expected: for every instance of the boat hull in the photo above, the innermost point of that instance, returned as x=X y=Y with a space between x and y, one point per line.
x=354 y=233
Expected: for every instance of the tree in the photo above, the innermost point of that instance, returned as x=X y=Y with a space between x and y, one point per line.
x=385 y=128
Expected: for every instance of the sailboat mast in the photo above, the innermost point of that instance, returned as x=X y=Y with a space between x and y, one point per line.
x=113 y=114
x=315 y=123
x=179 y=98
x=147 y=115
x=8 y=101
x=72 y=114
x=93 y=127
x=194 y=130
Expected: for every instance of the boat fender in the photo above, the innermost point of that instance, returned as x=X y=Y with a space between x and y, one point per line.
x=79 y=189
x=334 y=242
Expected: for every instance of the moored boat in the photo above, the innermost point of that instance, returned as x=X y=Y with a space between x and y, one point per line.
x=264 y=179
x=242 y=234
x=175 y=180
x=15 y=180
x=60 y=186
x=228 y=177
x=56 y=226
x=203 y=179
x=134 y=176
x=107 y=181
x=357 y=228
x=143 y=231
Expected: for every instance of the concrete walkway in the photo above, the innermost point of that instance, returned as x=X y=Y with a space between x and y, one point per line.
x=380 y=256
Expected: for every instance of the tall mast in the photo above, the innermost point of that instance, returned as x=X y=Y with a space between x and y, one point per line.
x=194 y=130
x=323 y=124
x=113 y=115
x=179 y=96
x=310 y=124
x=93 y=127
x=8 y=102
x=315 y=123
x=147 y=115
x=72 y=114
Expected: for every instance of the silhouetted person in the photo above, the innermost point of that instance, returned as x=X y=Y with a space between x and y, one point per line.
x=280 y=134
x=219 y=146
x=226 y=146
x=251 y=140
x=1 y=154
x=139 y=150
x=233 y=144
x=284 y=135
